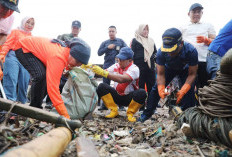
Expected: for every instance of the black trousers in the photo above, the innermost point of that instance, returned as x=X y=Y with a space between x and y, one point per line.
x=202 y=75
x=138 y=95
x=148 y=77
x=37 y=71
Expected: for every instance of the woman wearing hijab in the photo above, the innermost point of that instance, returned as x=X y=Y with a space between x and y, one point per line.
x=15 y=75
x=144 y=56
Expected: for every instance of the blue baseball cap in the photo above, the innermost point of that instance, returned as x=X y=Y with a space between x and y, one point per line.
x=194 y=6
x=171 y=40
x=11 y=4
x=125 y=53
x=76 y=24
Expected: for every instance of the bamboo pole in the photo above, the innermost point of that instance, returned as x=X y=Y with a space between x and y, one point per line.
x=51 y=144
x=38 y=114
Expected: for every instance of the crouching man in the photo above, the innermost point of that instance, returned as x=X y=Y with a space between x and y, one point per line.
x=126 y=91
x=175 y=58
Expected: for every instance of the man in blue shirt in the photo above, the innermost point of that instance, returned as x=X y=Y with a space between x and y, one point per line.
x=218 y=48
x=110 y=48
x=175 y=58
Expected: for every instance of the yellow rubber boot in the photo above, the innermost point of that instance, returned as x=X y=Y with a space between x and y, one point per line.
x=132 y=109
x=110 y=104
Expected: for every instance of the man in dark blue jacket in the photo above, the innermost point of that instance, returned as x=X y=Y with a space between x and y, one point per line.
x=175 y=58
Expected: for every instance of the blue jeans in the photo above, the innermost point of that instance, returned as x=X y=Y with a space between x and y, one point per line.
x=153 y=99
x=213 y=64
x=15 y=79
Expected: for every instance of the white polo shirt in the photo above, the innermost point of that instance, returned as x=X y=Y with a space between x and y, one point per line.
x=132 y=71
x=190 y=33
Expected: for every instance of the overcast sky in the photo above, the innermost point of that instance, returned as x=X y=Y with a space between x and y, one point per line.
x=54 y=17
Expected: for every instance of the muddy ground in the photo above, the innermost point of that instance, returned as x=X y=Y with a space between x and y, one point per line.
x=117 y=137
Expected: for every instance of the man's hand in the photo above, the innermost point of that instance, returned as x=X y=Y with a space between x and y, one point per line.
x=205 y=40
x=99 y=71
x=1 y=74
x=2 y=58
x=162 y=93
x=179 y=95
x=111 y=46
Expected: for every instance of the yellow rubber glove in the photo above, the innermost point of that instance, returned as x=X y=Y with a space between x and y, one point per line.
x=99 y=71
x=161 y=90
x=85 y=67
x=179 y=95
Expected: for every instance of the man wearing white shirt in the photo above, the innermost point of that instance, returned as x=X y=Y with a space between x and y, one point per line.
x=200 y=35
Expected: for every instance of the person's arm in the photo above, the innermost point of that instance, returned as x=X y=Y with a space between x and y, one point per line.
x=133 y=45
x=160 y=74
x=123 y=44
x=54 y=71
x=119 y=78
x=192 y=73
x=10 y=41
x=103 y=49
x=161 y=81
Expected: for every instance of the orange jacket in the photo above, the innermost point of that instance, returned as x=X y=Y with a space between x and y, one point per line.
x=12 y=40
x=53 y=56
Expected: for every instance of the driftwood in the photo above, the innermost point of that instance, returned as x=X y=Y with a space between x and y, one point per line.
x=85 y=148
x=39 y=114
x=51 y=144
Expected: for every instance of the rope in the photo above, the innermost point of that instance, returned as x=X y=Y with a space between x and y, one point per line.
x=212 y=119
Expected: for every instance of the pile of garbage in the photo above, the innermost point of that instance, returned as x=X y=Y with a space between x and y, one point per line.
x=157 y=136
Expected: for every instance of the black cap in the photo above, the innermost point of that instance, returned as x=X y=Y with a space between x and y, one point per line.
x=76 y=24
x=80 y=50
x=171 y=40
x=194 y=6
x=11 y=4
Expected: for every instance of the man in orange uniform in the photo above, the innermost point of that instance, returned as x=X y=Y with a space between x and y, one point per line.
x=45 y=61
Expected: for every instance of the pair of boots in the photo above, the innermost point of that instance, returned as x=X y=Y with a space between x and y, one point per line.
x=110 y=104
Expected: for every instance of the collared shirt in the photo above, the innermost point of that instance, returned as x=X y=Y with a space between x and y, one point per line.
x=109 y=58
x=6 y=24
x=132 y=71
x=187 y=57
x=65 y=37
x=223 y=41
x=190 y=33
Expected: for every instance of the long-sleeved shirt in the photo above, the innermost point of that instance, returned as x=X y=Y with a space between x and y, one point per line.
x=138 y=57
x=53 y=56
x=110 y=54
x=12 y=40
x=223 y=41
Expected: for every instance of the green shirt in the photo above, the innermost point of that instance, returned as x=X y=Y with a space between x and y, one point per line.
x=65 y=37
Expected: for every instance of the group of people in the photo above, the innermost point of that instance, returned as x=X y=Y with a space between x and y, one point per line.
x=140 y=72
